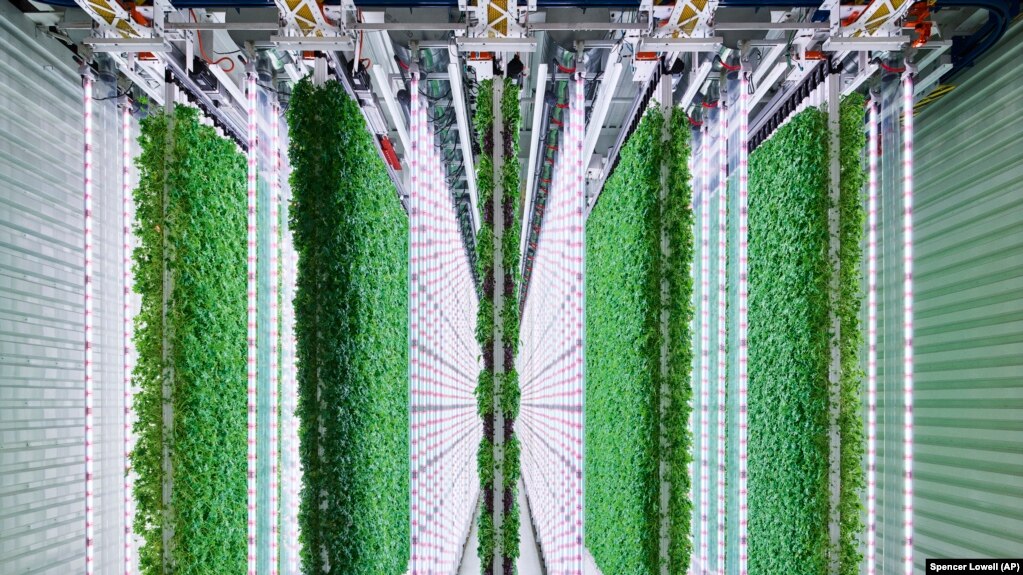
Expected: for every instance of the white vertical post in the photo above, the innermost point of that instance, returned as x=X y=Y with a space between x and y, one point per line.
x=907 y=318
x=704 y=392
x=251 y=295
x=743 y=315
x=275 y=199
x=87 y=82
x=722 y=329
x=126 y=323
x=414 y=327
x=872 y=154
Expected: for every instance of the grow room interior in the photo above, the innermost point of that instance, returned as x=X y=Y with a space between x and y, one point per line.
x=708 y=287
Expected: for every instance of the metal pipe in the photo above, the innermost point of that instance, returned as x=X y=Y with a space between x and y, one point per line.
x=587 y=26
x=457 y=93
x=797 y=26
x=601 y=106
x=242 y=26
x=534 y=149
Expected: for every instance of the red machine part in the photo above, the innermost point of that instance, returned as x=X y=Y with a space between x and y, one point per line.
x=917 y=20
x=389 y=154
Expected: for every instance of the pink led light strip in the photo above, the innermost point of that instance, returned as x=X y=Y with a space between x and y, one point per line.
x=126 y=323
x=743 y=315
x=551 y=363
x=443 y=364
x=704 y=348
x=87 y=214
x=907 y=318
x=872 y=144
x=250 y=86
x=275 y=198
x=416 y=417
x=722 y=333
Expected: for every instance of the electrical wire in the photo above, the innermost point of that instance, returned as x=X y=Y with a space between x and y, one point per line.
x=726 y=65
x=202 y=49
x=889 y=69
x=115 y=96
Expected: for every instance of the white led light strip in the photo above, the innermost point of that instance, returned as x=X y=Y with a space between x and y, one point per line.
x=705 y=348
x=872 y=154
x=290 y=367
x=743 y=315
x=443 y=362
x=907 y=319
x=551 y=360
x=722 y=328
x=275 y=199
x=126 y=323
x=250 y=85
x=87 y=82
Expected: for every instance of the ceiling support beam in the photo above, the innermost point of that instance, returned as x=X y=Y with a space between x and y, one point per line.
x=462 y=118
x=534 y=150
x=608 y=87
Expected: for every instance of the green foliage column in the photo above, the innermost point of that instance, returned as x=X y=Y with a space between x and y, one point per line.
x=498 y=389
x=351 y=317
x=850 y=420
x=625 y=268
x=483 y=123
x=789 y=346
x=509 y=392
x=190 y=270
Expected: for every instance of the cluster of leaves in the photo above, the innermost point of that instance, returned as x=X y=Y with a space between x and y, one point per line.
x=352 y=329
x=625 y=268
x=677 y=220
x=789 y=338
x=789 y=274
x=486 y=392
x=498 y=392
x=850 y=422
x=509 y=392
x=191 y=224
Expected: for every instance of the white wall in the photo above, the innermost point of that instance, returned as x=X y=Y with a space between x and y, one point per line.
x=41 y=337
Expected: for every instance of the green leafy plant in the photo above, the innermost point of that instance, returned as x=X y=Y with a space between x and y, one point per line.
x=790 y=338
x=506 y=386
x=850 y=422
x=352 y=330
x=623 y=346
x=509 y=400
x=486 y=391
x=677 y=220
x=789 y=274
x=191 y=199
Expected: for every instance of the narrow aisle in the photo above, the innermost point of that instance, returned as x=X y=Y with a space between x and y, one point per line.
x=470 y=559
x=529 y=557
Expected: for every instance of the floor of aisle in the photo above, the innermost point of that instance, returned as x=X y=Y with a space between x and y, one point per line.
x=529 y=557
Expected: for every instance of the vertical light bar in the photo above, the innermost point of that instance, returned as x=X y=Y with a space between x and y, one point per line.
x=275 y=198
x=907 y=317
x=722 y=333
x=250 y=86
x=126 y=322
x=743 y=314
x=293 y=535
x=87 y=214
x=579 y=207
x=872 y=144
x=414 y=326
x=704 y=346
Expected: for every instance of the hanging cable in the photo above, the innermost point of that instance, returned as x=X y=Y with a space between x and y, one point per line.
x=202 y=49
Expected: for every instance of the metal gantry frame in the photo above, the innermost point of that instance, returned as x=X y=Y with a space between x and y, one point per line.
x=124 y=34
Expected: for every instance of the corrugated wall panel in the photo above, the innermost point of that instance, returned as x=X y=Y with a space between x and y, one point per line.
x=969 y=319
x=41 y=379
